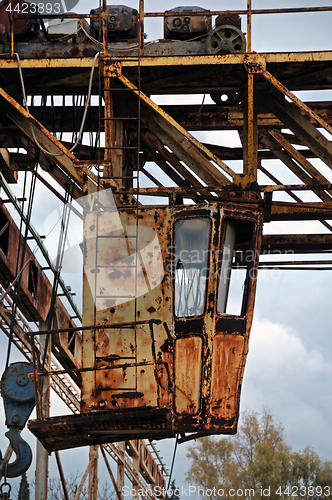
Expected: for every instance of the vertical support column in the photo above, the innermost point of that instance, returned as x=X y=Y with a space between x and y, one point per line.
x=41 y=472
x=249 y=14
x=104 y=27
x=250 y=131
x=93 y=473
x=121 y=467
x=141 y=27
x=108 y=125
x=135 y=486
x=11 y=30
x=113 y=135
x=117 y=159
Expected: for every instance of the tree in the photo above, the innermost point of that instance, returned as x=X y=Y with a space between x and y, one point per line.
x=174 y=492
x=24 y=490
x=55 y=489
x=257 y=462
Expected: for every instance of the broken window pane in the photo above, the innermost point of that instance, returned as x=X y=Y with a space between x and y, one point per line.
x=236 y=264
x=191 y=266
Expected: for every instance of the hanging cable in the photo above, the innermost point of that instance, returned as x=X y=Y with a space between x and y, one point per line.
x=20 y=262
x=85 y=110
x=171 y=471
x=16 y=287
x=200 y=110
x=59 y=259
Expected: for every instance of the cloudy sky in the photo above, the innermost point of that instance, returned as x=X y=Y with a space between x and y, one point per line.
x=289 y=364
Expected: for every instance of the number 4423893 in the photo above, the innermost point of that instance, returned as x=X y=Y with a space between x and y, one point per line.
x=34 y=8
x=304 y=491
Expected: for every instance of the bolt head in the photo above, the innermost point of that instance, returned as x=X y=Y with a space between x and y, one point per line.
x=15 y=419
x=22 y=380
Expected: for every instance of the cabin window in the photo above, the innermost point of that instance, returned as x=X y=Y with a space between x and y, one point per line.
x=32 y=280
x=236 y=266
x=71 y=339
x=191 y=266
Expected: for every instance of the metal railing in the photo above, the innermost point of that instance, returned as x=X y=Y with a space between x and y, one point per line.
x=248 y=12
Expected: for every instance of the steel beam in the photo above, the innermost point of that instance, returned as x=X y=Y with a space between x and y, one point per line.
x=281 y=211
x=302 y=128
x=41 y=471
x=297 y=243
x=121 y=468
x=93 y=473
x=286 y=153
x=33 y=129
x=186 y=141
x=189 y=116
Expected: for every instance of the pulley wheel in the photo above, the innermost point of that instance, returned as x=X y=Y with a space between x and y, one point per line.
x=225 y=39
x=226 y=98
x=15 y=383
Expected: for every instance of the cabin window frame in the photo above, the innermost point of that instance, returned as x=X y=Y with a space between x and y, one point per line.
x=183 y=217
x=247 y=282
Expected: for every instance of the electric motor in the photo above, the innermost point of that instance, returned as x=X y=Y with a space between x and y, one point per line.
x=122 y=22
x=182 y=26
x=24 y=27
x=229 y=19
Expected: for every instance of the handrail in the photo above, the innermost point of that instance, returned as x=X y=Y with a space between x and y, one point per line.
x=249 y=12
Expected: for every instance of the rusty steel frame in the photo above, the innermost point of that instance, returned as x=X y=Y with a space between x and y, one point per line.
x=68 y=393
x=249 y=12
x=198 y=169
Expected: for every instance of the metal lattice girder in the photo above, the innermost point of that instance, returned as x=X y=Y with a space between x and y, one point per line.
x=60 y=383
x=301 y=127
x=184 y=145
x=189 y=116
x=286 y=153
x=33 y=129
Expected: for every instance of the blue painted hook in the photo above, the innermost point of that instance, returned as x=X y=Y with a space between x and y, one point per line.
x=23 y=453
x=18 y=395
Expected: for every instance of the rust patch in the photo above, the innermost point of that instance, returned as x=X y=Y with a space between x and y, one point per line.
x=129 y=395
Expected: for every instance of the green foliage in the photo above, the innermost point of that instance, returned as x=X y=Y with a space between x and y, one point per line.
x=24 y=491
x=257 y=462
x=175 y=492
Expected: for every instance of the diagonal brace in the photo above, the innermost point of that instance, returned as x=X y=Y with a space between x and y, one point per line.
x=30 y=126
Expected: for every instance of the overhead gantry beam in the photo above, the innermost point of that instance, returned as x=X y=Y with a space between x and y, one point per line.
x=297 y=243
x=189 y=116
x=54 y=151
x=165 y=131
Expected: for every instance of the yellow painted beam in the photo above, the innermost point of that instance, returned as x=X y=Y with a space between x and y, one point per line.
x=79 y=62
x=226 y=59
x=185 y=60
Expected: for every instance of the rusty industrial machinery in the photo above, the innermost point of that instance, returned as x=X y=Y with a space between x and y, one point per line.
x=157 y=284
x=122 y=22
x=171 y=227
x=184 y=27
x=23 y=28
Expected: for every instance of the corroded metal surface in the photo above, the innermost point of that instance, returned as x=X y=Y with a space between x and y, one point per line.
x=75 y=430
x=159 y=337
x=176 y=365
x=36 y=291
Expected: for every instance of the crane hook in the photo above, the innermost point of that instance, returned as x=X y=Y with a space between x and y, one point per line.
x=23 y=453
x=18 y=395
